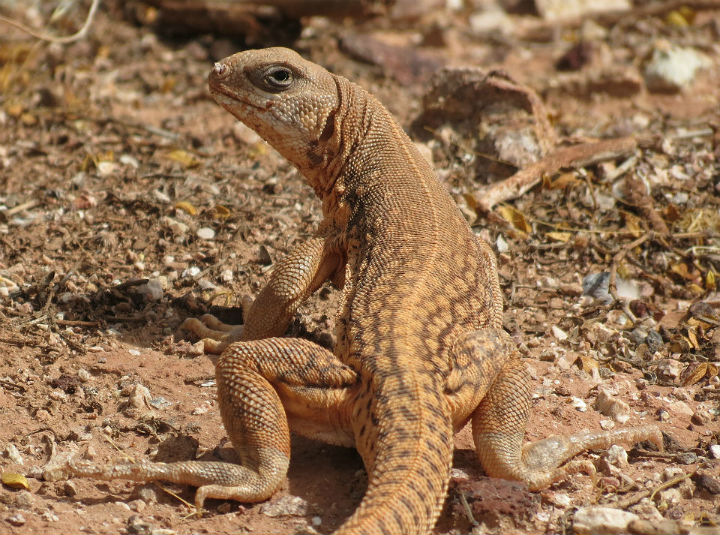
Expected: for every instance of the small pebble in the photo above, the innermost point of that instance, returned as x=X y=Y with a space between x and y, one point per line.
x=84 y=375
x=559 y=333
x=285 y=506
x=191 y=272
x=578 y=404
x=672 y=472
x=206 y=233
x=605 y=520
x=13 y=454
x=16 y=519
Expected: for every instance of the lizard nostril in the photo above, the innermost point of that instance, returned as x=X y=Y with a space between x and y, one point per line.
x=220 y=69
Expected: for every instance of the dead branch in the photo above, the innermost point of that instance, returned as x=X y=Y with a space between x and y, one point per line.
x=567 y=157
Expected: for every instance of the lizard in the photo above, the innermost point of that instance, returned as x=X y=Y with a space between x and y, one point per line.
x=420 y=348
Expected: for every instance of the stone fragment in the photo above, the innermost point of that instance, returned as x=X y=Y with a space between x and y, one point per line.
x=610 y=406
x=672 y=68
x=596 y=520
x=285 y=506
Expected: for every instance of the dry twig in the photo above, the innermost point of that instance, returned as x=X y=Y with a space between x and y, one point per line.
x=51 y=38
x=566 y=157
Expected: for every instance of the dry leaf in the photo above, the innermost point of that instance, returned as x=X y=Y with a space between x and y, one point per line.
x=675 y=18
x=695 y=289
x=712 y=370
x=710 y=280
x=633 y=223
x=183 y=157
x=588 y=364
x=559 y=236
x=186 y=207
x=671 y=213
x=15 y=480
x=682 y=270
x=693 y=373
x=565 y=180
x=515 y=217
x=221 y=212
x=692 y=338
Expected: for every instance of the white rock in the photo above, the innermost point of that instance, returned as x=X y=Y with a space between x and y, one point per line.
x=285 y=506
x=606 y=425
x=715 y=451
x=107 y=168
x=560 y=499
x=152 y=290
x=559 y=333
x=616 y=409
x=490 y=19
x=501 y=245
x=16 y=519
x=178 y=228
x=672 y=472
x=140 y=397
x=680 y=408
x=161 y=196
x=627 y=289
x=562 y=9
x=84 y=375
x=671 y=68
x=595 y=520
x=671 y=496
x=206 y=233
x=205 y=284
x=616 y=456
x=669 y=369
x=191 y=272
x=578 y=404
x=13 y=454
x=226 y=275
x=127 y=159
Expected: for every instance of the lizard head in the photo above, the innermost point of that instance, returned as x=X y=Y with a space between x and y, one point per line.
x=289 y=101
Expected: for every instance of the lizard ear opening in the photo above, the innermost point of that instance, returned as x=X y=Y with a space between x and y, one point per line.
x=329 y=129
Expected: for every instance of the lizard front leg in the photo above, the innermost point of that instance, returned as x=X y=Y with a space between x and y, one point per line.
x=261 y=384
x=489 y=369
x=294 y=278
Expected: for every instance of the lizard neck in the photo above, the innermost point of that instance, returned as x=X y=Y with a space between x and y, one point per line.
x=360 y=144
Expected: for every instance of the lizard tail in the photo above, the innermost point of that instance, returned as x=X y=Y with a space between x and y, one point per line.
x=408 y=456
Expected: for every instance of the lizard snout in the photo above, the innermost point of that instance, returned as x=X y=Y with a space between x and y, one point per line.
x=220 y=69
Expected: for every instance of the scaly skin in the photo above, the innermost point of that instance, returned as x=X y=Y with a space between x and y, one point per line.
x=420 y=349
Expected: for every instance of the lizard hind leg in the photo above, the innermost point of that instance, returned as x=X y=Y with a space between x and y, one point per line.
x=262 y=385
x=499 y=428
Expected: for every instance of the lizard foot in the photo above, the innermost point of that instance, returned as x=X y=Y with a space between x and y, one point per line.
x=215 y=334
x=219 y=480
x=544 y=457
x=541 y=462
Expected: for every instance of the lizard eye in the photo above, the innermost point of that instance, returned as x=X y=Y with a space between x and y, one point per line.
x=278 y=77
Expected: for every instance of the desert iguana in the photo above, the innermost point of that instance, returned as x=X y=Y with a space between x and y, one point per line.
x=420 y=346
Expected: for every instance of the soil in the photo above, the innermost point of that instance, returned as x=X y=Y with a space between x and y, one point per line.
x=129 y=201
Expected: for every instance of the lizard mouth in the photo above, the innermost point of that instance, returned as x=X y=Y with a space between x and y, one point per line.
x=228 y=99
